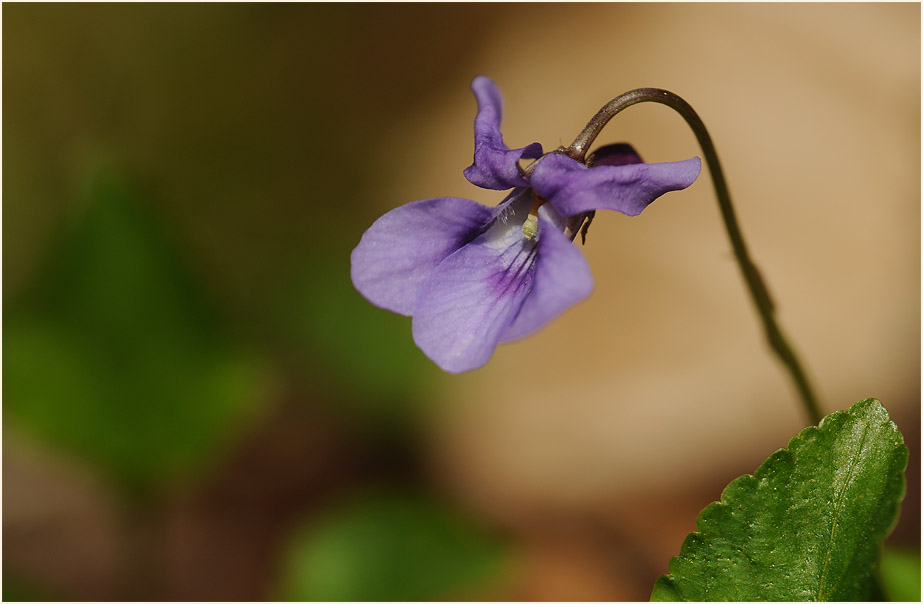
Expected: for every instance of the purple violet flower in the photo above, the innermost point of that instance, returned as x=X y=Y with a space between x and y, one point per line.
x=473 y=277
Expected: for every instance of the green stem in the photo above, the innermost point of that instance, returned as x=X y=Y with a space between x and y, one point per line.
x=758 y=291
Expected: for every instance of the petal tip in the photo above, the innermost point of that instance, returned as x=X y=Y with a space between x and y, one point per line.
x=695 y=168
x=450 y=361
x=482 y=81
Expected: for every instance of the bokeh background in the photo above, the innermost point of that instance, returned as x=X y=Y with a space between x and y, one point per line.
x=198 y=405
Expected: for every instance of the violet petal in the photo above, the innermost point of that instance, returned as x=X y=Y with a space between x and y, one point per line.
x=495 y=166
x=562 y=278
x=573 y=188
x=399 y=251
x=467 y=303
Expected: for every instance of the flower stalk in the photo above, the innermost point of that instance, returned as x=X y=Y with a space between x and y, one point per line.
x=755 y=284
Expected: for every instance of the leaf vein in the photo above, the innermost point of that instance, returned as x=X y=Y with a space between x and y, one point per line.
x=821 y=592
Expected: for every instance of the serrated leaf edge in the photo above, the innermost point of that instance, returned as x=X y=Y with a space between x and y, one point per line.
x=793 y=443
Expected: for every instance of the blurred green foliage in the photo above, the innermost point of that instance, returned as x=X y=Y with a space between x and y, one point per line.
x=389 y=547
x=17 y=590
x=900 y=574
x=261 y=151
x=116 y=356
x=360 y=355
x=150 y=315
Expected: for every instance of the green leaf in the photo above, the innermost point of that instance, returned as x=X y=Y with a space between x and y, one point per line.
x=116 y=357
x=807 y=525
x=389 y=548
x=900 y=573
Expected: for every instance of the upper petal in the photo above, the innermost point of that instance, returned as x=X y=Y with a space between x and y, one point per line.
x=562 y=278
x=468 y=302
x=495 y=166
x=399 y=251
x=573 y=188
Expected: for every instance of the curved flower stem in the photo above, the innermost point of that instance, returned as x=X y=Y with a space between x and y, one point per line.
x=751 y=275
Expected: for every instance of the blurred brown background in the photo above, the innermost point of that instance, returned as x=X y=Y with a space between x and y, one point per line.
x=197 y=404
